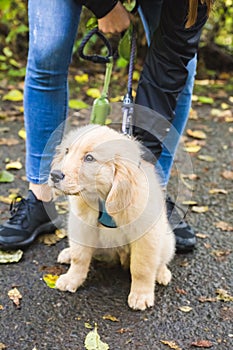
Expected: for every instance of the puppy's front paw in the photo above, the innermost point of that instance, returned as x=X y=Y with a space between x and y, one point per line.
x=65 y=283
x=64 y=256
x=140 y=301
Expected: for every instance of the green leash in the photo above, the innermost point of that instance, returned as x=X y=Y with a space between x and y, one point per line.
x=101 y=105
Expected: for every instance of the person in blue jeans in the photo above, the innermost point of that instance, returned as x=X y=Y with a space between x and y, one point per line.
x=173 y=31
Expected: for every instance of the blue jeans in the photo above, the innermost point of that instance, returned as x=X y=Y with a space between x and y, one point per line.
x=171 y=141
x=53 y=26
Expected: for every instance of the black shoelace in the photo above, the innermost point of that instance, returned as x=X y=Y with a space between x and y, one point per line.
x=19 y=210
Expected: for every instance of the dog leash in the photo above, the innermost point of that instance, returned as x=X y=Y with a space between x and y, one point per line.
x=128 y=102
x=101 y=105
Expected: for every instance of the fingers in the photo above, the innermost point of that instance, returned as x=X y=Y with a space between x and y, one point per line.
x=116 y=21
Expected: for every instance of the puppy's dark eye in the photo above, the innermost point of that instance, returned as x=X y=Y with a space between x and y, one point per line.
x=89 y=158
x=67 y=150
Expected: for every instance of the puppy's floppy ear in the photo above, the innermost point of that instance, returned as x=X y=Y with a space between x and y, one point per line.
x=121 y=194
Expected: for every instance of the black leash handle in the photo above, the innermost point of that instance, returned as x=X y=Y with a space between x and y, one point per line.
x=95 y=58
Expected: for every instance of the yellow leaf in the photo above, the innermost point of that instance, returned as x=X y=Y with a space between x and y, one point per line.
x=197 y=134
x=110 y=318
x=14 y=165
x=15 y=295
x=206 y=158
x=50 y=280
x=223 y=295
x=5 y=200
x=192 y=149
x=217 y=190
x=83 y=78
x=189 y=202
x=22 y=134
x=10 y=256
x=93 y=341
x=171 y=344
x=116 y=99
x=13 y=95
x=201 y=209
x=88 y=325
x=93 y=92
x=185 y=308
x=108 y=121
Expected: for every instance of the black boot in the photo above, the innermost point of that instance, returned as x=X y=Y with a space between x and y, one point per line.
x=185 y=236
x=29 y=218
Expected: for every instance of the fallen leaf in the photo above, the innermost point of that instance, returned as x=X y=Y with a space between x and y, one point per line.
x=88 y=325
x=116 y=98
x=77 y=104
x=83 y=78
x=189 y=202
x=227 y=174
x=221 y=253
x=93 y=341
x=201 y=235
x=185 y=308
x=52 y=238
x=22 y=134
x=16 y=165
x=110 y=318
x=224 y=226
x=6 y=176
x=192 y=149
x=93 y=92
x=223 y=295
x=123 y=330
x=8 y=141
x=203 y=299
x=197 y=134
x=205 y=100
x=15 y=295
x=13 y=95
x=10 y=256
x=171 y=344
x=2 y=346
x=202 y=344
x=201 y=209
x=206 y=158
x=217 y=191
x=50 y=280
x=181 y=291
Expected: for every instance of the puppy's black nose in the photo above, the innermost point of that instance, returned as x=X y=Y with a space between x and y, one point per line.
x=56 y=176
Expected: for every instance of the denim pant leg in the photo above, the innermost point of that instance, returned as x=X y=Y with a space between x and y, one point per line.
x=171 y=142
x=52 y=29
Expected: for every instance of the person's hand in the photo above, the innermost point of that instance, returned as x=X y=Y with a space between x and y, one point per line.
x=116 y=21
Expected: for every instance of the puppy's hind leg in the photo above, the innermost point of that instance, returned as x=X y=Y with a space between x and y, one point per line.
x=64 y=256
x=143 y=267
x=163 y=275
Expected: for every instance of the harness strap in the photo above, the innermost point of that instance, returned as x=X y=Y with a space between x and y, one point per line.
x=104 y=218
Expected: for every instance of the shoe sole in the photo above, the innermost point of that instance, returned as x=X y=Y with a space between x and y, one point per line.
x=49 y=227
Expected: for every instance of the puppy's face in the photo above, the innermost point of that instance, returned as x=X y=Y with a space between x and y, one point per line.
x=87 y=161
x=80 y=167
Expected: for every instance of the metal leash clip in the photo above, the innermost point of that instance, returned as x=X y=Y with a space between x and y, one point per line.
x=128 y=102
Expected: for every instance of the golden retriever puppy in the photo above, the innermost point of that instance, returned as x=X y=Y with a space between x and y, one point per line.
x=104 y=176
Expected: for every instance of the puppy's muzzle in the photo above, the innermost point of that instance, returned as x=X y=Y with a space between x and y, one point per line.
x=56 y=176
